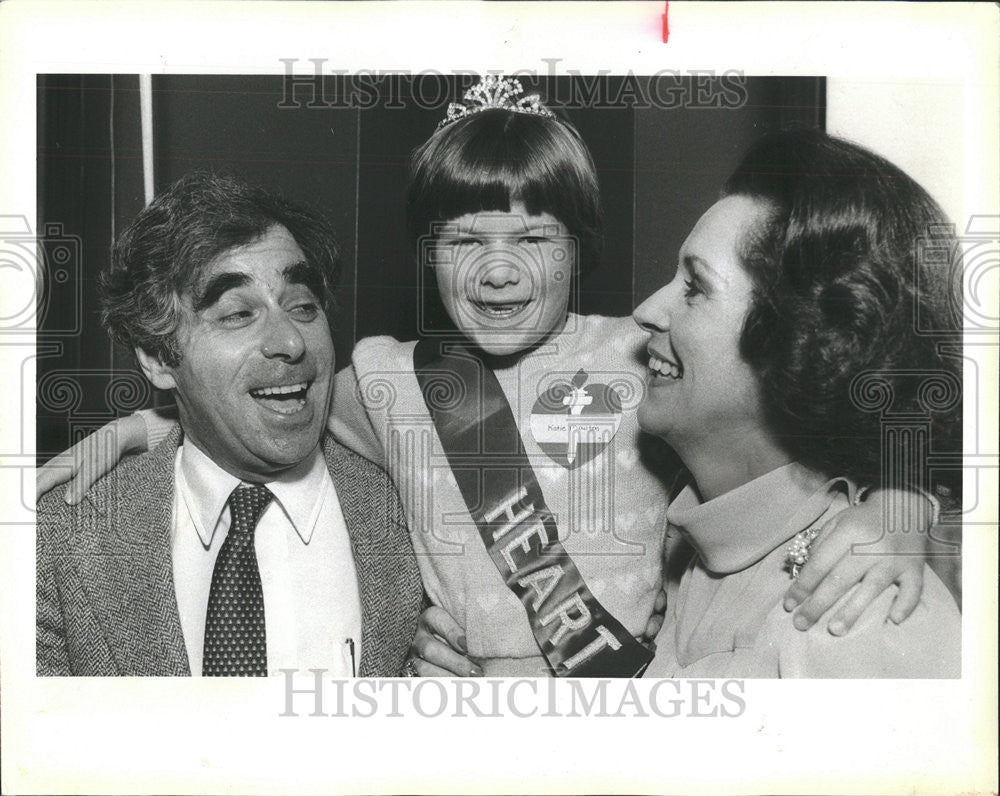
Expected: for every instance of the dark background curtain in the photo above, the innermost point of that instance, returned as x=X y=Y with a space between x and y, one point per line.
x=662 y=148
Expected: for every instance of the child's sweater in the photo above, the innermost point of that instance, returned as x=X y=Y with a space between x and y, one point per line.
x=609 y=506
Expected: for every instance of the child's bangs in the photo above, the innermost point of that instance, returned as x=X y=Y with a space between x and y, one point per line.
x=483 y=163
x=488 y=175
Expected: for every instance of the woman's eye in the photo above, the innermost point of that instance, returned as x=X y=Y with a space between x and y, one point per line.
x=691 y=288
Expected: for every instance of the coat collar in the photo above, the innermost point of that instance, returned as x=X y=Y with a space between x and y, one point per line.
x=358 y=514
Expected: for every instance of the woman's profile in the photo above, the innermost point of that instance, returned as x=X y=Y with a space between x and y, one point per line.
x=794 y=292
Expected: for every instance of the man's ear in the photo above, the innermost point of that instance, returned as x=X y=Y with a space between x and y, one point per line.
x=162 y=376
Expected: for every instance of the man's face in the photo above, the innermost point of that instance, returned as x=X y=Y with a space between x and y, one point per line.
x=254 y=381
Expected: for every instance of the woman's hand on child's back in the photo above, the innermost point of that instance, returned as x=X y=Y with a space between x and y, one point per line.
x=91 y=458
x=439 y=648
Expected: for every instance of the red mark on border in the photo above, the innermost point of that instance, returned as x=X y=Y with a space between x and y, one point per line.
x=666 y=23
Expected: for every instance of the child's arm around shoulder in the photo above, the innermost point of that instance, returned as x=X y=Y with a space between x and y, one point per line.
x=383 y=364
x=926 y=645
x=349 y=422
x=881 y=543
x=99 y=453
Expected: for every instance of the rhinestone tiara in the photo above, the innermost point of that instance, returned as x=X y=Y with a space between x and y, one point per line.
x=494 y=91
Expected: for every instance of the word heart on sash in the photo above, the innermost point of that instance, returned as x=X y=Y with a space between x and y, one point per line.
x=480 y=437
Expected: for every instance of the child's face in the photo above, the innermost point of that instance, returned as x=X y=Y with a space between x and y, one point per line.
x=505 y=277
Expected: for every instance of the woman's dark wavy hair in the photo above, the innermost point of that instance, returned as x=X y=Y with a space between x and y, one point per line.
x=849 y=309
x=485 y=161
x=200 y=217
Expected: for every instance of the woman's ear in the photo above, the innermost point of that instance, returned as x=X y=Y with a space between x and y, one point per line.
x=161 y=375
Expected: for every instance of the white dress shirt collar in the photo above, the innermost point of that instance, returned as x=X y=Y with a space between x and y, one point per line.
x=299 y=491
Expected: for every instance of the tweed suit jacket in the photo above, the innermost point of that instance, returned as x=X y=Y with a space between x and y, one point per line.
x=105 y=600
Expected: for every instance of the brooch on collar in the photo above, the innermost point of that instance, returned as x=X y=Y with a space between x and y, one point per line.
x=797 y=553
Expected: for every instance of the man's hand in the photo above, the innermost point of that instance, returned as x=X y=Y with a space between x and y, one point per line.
x=853 y=549
x=439 y=647
x=91 y=458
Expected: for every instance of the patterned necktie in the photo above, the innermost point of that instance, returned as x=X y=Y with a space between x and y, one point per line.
x=235 y=637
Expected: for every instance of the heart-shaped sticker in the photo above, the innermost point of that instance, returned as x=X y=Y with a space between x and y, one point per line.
x=573 y=421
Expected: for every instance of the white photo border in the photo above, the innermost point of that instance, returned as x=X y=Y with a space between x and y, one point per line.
x=892 y=61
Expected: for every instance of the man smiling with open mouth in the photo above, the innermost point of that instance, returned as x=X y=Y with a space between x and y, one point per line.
x=287 y=400
x=233 y=539
x=253 y=385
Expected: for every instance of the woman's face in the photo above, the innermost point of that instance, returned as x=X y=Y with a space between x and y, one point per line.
x=698 y=385
x=504 y=277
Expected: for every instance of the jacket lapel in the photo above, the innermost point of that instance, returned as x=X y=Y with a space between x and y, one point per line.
x=357 y=517
x=388 y=580
x=123 y=558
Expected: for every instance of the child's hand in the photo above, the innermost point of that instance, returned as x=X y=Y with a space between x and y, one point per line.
x=853 y=548
x=91 y=458
x=656 y=620
x=439 y=647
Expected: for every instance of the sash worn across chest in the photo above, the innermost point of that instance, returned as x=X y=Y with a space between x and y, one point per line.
x=577 y=636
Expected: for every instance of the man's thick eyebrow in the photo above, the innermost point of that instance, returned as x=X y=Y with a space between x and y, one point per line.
x=305 y=273
x=214 y=289
x=300 y=273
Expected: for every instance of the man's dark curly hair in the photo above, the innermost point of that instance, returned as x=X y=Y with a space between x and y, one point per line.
x=201 y=216
x=848 y=312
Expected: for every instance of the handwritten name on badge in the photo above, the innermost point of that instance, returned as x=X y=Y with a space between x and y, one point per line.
x=573 y=421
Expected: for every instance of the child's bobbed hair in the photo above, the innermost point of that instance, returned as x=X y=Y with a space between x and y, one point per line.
x=487 y=160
